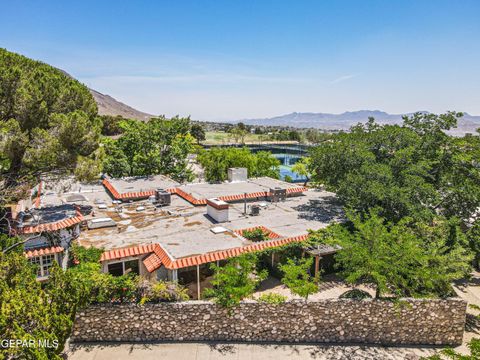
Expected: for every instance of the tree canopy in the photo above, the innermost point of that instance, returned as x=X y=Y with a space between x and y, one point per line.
x=415 y=169
x=398 y=258
x=159 y=146
x=217 y=161
x=296 y=276
x=236 y=280
x=47 y=119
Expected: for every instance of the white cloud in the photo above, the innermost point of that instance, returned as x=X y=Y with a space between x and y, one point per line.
x=343 y=78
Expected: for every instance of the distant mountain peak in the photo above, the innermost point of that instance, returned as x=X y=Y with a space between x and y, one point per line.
x=345 y=120
x=107 y=105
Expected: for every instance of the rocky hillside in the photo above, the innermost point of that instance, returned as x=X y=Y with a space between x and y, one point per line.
x=107 y=105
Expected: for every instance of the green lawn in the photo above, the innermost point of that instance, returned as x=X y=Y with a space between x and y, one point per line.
x=217 y=137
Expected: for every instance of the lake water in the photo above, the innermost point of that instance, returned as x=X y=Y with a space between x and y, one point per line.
x=287 y=170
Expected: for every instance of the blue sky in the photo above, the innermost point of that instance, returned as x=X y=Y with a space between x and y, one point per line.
x=218 y=60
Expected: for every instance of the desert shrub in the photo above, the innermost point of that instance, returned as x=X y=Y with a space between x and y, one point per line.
x=272 y=298
x=161 y=291
x=356 y=294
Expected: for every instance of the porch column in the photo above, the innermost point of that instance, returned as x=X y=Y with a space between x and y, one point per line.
x=317 y=265
x=175 y=275
x=198 y=282
x=273 y=259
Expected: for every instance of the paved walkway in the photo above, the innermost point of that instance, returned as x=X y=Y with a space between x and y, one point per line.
x=203 y=351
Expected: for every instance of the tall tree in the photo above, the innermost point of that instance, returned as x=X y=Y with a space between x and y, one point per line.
x=198 y=132
x=217 y=161
x=412 y=170
x=399 y=259
x=159 y=146
x=47 y=120
x=296 y=276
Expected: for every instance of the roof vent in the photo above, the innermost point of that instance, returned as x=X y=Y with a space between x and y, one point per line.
x=218 y=230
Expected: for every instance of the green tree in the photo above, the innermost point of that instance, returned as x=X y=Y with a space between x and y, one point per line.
x=235 y=281
x=473 y=346
x=238 y=134
x=159 y=146
x=28 y=312
x=198 y=132
x=411 y=170
x=398 y=259
x=473 y=236
x=266 y=165
x=111 y=124
x=47 y=119
x=217 y=161
x=296 y=276
x=302 y=168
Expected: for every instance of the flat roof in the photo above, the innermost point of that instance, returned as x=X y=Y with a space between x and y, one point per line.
x=142 y=183
x=184 y=230
x=49 y=214
x=202 y=191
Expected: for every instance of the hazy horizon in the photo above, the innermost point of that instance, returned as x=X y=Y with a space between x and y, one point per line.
x=232 y=61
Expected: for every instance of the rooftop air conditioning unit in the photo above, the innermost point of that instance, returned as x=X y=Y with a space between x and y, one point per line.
x=163 y=197
x=255 y=210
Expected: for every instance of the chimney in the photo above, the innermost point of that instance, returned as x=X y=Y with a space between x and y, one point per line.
x=218 y=210
x=237 y=174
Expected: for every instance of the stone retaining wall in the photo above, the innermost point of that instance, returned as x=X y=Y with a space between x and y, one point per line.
x=434 y=322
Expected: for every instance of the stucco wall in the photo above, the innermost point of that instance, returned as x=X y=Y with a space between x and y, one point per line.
x=436 y=322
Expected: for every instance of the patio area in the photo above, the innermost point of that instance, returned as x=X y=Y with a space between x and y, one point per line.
x=330 y=287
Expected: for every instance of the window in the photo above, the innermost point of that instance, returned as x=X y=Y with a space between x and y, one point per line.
x=47 y=262
x=116 y=269
x=124 y=267
x=131 y=267
x=43 y=264
x=37 y=262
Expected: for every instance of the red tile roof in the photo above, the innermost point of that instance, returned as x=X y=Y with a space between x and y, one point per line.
x=126 y=252
x=229 y=253
x=270 y=233
x=62 y=224
x=189 y=197
x=195 y=201
x=152 y=262
x=44 y=251
x=162 y=257
x=130 y=195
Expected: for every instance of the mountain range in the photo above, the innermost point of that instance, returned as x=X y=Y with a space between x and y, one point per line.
x=107 y=105
x=343 y=121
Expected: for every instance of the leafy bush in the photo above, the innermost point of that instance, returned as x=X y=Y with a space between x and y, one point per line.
x=161 y=291
x=235 y=281
x=473 y=346
x=297 y=278
x=272 y=298
x=255 y=235
x=356 y=294
x=80 y=254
